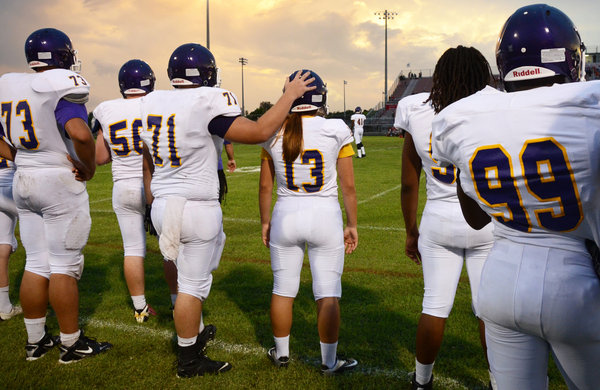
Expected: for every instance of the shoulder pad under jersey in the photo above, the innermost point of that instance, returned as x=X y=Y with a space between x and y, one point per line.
x=67 y=84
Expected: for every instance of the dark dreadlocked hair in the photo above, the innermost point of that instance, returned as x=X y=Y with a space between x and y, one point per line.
x=459 y=72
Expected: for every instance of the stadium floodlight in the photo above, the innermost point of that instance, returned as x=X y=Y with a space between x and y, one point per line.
x=386 y=15
x=243 y=61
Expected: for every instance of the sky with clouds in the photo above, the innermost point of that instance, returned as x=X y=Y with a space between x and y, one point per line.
x=339 y=39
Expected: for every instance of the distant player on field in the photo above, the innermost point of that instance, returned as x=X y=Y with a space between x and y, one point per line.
x=530 y=159
x=444 y=240
x=358 y=122
x=119 y=141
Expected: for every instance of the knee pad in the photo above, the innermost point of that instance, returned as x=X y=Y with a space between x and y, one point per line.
x=285 y=286
x=72 y=267
x=327 y=289
x=437 y=307
x=199 y=288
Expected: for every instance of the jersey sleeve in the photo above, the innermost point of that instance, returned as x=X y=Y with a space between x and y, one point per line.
x=65 y=83
x=223 y=103
x=264 y=155
x=346 y=151
x=401 y=119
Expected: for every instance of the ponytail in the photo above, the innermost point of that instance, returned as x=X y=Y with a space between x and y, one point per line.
x=292 y=137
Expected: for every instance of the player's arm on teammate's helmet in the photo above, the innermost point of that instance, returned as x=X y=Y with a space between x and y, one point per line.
x=247 y=131
x=409 y=196
x=265 y=195
x=345 y=171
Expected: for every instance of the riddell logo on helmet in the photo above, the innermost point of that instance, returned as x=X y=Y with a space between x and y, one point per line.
x=527 y=73
x=178 y=81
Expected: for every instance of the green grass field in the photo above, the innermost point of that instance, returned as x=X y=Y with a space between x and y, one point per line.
x=382 y=291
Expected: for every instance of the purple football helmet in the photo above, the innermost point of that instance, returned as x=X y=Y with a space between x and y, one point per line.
x=51 y=47
x=539 y=41
x=192 y=64
x=311 y=100
x=358 y=110
x=136 y=77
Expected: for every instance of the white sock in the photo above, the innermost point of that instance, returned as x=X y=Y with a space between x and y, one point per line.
x=5 y=305
x=139 y=301
x=35 y=329
x=282 y=346
x=201 y=324
x=359 y=153
x=182 y=342
x=363 y=151
x=173 y=299
x=329 y=354
x=69 y=339
x=423 y=372
x=493 y=381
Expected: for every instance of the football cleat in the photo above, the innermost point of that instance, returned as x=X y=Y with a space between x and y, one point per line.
x=340 y=366
x=281 y=362
x=199 y=366
x=37 y=350
x=142 y=315
x=83 y=347
x=15 y=311
x=417 y=386
x=207 y=334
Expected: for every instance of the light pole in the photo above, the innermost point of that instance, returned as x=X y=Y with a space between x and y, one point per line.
x=243 y=61
x=386 y=15
x=345 y=83
x=207 y=27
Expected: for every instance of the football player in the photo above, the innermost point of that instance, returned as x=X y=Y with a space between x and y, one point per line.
x=358 y=121
x=530 y=160
x=304 y=156
x=119 y=141
x=179 y=126
x=45 y=119
x=444 y=240
x=8 y=242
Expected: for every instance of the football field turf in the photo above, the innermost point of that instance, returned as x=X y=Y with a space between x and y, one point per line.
x=382 y=292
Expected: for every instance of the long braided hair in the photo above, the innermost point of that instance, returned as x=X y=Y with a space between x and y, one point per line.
x=459 y=72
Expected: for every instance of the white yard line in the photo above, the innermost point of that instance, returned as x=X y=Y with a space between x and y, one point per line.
x=141 y=330
x=379 y=194
x=100 y=200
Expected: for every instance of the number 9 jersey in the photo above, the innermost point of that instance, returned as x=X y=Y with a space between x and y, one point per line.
x=314 y=171
x=530 y=159
x=28 y=103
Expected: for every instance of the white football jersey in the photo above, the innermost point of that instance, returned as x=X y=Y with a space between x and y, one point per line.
x=176 y=133
x=415 y=116
x=28 y=104
x=314 y=172
x=359 y=120
x=530 y=159
x=121 y=121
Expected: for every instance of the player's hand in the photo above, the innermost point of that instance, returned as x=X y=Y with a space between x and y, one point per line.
x=266 y=233
x=79 y=170
x=299 y=85
x=412 y=248
x=231 y=165
x=350 y=239
x=148 y=225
